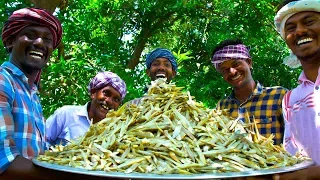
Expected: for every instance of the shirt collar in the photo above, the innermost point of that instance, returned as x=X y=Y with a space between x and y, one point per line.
x=83 y=111
x=14 y=70
x=304 y=79
x=257 y=91
x=10 y=67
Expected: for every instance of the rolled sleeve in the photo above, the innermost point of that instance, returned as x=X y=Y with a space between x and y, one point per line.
x=8 y=149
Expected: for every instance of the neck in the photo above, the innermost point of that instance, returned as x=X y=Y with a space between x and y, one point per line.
x=31 y=75
x=244 y=92
x=310 y=70
x=91 y=114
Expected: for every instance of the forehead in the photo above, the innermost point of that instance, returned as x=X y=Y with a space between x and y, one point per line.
x=112 y=90
x=161 y=59
x=229 y=63
x=301 y=16
x=36 y=29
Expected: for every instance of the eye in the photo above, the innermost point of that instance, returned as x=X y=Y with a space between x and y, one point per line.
x=236 y=64
x=155 y=64
x=225 y=71
x=30 y=35
x=168 y=65
x=48 y=40
x=116 y=100
x=106 y=93
x=310 y=21
x=290 y=28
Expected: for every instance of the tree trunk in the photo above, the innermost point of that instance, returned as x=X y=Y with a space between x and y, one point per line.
x=49 y=5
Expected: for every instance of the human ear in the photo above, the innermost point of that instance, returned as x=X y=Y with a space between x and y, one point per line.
x=249 y=61
x=174 y=73
x=148 y=72
x=9 y=44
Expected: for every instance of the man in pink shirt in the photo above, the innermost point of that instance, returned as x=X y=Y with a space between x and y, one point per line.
x=298 y=23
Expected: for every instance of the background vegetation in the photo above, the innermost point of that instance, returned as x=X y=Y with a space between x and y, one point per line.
x=116 y=36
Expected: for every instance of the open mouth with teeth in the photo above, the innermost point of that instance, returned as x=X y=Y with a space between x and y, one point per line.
x=160 y=75
x=304 y=41
x=235 y=77
x=105 y=107
x=36 y=54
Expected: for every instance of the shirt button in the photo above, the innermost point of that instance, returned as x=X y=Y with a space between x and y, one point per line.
x=317 y=87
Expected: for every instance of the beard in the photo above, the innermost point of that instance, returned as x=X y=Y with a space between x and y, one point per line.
x=311 y=58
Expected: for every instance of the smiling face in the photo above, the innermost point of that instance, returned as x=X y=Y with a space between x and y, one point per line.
x=102 y=100
x=31 y=48
x=302 y=35
x=236 y=72
x=161 y=68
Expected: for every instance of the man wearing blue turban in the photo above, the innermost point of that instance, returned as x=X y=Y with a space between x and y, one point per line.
x=161 y=64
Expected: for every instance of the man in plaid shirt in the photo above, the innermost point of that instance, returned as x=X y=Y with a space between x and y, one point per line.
x=30 y=35
x=249 y=100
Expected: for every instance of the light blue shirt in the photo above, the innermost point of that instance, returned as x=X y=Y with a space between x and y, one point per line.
x=66 y=124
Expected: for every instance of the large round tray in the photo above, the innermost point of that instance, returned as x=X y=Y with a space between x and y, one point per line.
x=299 y=166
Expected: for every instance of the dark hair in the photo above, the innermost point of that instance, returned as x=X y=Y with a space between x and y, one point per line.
x=285 y=2
x=226 y=42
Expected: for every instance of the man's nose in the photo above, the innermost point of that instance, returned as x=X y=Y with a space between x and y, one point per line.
x=161 y=67
x=38 y=41
x=233 y=70
x=109 y=101
x=300 y=30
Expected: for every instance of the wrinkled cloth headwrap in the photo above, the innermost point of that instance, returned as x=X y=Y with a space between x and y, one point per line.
x=108 y=78
x=285 y=13
x=22 y=18
x=161 y=53
x=239 y=51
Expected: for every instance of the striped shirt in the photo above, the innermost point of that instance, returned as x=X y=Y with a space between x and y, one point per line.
x=22 y=125
x=264 y=106
x=301 y=112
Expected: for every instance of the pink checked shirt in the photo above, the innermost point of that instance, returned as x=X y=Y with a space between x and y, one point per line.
x=301 y=111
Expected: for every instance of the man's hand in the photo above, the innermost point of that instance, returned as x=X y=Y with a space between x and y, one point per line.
x=309 y=173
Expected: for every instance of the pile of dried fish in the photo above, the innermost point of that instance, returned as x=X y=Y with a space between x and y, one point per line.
x=169 y=132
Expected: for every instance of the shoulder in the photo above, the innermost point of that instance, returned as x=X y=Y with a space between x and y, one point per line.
x=5 y=75
x=276 y=89
x=7 y=83
x=135 y=101
x=68 y=109
x=224 y=102
x=65 y=111
x=299 y=94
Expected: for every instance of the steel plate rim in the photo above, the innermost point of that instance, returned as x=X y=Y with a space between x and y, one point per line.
x=69 y=169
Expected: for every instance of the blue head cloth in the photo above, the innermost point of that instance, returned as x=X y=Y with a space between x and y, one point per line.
x=161 y=53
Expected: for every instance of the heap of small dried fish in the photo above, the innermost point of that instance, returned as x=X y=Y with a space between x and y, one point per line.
x=169 y=132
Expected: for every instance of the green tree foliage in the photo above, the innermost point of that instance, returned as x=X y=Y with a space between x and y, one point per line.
x=117 y=35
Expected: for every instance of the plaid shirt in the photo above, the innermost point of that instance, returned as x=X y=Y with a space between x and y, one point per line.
x=22 y=125
x=264 y=106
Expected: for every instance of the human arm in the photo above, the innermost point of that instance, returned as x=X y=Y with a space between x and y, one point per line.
x=55 y=126
x=310 y=173
x=8 y=149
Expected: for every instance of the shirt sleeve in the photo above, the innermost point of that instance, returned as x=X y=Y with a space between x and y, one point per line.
x=8 y=149
x=54 y=127
x=288 y=139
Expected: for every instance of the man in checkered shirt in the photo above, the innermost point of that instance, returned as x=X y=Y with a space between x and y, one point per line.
x=249 y=100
